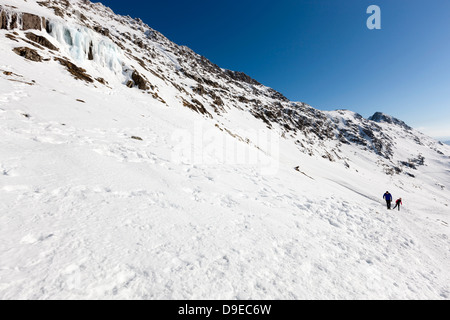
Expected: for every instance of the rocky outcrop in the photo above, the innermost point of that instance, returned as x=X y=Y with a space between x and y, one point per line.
x=3 y=20
x=25 y=21
x=197 y=107
x=77 y=72
x=240 y=76
x=91 y=53
x=31 y=21
x=139 y=81
x=102 y=31
x=8 y=20
x=28 y=53
x=43 y=41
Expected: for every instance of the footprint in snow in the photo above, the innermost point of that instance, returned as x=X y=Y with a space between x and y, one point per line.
x=30 y=239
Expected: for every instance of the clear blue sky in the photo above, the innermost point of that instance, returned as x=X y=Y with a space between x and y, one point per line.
x=321 y=52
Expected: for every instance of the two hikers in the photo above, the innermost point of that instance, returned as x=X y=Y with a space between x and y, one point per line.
x=388 y=197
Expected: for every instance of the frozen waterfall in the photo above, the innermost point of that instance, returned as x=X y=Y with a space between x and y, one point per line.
x=84 y=44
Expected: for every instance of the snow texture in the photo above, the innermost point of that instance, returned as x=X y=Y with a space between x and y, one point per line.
x=110 y=192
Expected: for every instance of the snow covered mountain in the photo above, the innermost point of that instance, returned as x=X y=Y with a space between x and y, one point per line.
x=134 y=168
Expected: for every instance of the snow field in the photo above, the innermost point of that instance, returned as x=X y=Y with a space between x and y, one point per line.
x=185 y=211
x=89 y=213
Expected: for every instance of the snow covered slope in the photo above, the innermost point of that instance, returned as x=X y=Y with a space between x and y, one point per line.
x=131 y=167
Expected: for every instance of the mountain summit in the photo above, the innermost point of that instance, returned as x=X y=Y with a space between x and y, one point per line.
x=381 y=117
x=132 y=167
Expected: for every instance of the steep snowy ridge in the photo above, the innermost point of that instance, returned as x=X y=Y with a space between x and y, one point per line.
x=134 y=168
x=197 y=83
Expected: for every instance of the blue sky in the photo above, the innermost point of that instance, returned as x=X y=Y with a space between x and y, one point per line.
x=321 y=52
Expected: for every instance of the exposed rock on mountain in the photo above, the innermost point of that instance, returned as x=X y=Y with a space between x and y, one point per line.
x=28 y=53
x=92 y=36
x=77 y=72
x=24 y=21
x=41 y=40
x=381 y=117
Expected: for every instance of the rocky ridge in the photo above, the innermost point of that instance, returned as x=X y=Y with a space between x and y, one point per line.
x=151 y=61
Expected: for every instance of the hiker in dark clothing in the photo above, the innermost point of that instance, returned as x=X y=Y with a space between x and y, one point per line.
x=388 y=197
x=398 y=203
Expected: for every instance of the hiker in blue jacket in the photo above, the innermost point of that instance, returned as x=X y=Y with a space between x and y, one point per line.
x=388 y=197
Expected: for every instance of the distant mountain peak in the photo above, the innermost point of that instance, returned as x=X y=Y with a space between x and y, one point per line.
x=381 y=117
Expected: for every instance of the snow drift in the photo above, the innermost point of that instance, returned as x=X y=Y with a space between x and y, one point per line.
x=168 y=177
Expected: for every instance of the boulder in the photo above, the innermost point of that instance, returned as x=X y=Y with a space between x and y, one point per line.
x=139 y=81
x=28 y=53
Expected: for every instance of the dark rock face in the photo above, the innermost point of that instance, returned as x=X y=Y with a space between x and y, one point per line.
x=14 y=20
x=196 y=106
x=41 y=40
x=28 y=53
x=90 y=53
x=102 y=31
x=240 y=76
x=3 y=20
x=31 y=21
x=58 y=12
x=139 y=81
x=10 y=21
